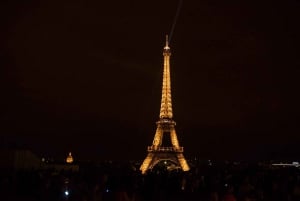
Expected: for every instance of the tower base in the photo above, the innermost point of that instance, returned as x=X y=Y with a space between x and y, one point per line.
x=153 y=158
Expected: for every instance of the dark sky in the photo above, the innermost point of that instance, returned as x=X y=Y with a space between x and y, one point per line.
x=86 y=76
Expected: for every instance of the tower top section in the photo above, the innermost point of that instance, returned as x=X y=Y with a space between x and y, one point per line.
x=166 y=111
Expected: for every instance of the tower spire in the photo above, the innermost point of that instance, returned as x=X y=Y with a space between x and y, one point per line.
x=167 y=41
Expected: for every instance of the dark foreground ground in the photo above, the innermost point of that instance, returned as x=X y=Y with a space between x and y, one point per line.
x=123 y=182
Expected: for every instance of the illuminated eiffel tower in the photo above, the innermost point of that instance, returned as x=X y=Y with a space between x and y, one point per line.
x=165 y=126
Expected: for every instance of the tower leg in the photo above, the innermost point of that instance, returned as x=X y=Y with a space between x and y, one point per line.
x=183 y=164
x=174 y=139
x=158 y=137
x=145 y=165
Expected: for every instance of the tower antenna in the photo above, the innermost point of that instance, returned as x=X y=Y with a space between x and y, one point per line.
x=175 y=20
x=167 y=41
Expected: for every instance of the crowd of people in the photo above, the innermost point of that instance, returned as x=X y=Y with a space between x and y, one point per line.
x=124 y=182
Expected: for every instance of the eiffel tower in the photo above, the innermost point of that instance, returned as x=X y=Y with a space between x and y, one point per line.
x=165 y=126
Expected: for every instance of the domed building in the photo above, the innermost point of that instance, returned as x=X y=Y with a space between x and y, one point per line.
x=69 y=158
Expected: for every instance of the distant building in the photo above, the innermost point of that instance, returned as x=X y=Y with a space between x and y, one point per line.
x=57 y=166
x=19 y=159
x=69 y=158
x=12 y=160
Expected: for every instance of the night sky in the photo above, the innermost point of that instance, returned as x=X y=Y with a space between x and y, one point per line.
x=85 y=76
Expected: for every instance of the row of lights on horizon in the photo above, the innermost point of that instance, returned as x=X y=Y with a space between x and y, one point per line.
x=68 y=160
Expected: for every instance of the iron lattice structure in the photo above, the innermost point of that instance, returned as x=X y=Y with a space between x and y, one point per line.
x=165 y=125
